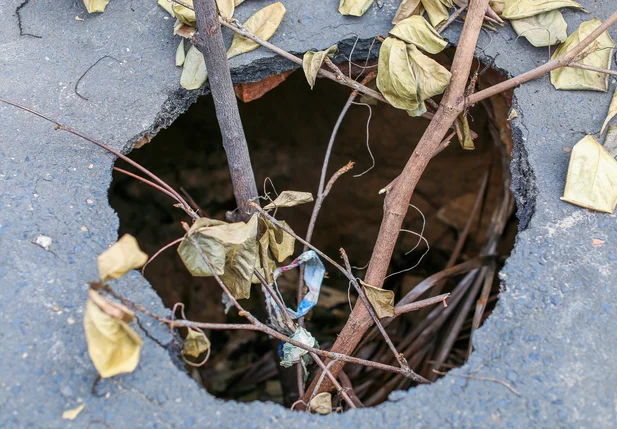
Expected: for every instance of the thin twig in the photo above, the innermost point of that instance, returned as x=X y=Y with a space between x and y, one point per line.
x=158 y=252
x=421 y=304
x=237 y=28
x=592 y=68
x=346 y=383
x=565 y=60
x=473 y=377
x=60 y=126
x=369 y=306
x=146 y=181
x=451 y=19
x=86 y=72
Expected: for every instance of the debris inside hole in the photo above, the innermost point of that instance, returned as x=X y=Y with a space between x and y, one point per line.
x=288 y=130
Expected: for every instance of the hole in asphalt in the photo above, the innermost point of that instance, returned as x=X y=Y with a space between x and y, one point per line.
x=288 y=130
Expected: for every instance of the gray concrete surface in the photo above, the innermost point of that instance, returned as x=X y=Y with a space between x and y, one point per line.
x=552 y=335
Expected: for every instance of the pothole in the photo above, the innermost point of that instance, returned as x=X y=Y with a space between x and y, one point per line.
x=287 y=131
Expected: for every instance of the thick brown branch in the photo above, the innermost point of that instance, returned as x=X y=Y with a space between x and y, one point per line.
x=399 y=196
x=209 y=40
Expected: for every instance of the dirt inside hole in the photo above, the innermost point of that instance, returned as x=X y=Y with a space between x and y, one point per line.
x=288 y=130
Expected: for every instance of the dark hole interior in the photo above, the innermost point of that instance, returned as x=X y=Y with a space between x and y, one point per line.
x=287 y=131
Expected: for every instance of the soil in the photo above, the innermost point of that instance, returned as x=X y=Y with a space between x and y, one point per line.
x=287 y=131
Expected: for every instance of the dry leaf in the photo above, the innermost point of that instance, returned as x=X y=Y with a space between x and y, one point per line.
x=183 y=30
x=431 y=77
x=406 y=77
x=238 y=2
x=264 y=259
x=517 y=9
x=194 y=72
x=231 y=249
x=512 y=115
x=544 y=29
x=72 y=414
x=281 y=243
x=612 y=112
x=464 y=133
x=354 y=7
x=321 y=403
x=436 y=10
x=180 y=55
x=417 y=31
x=185 y=14
x=311 y=63
x=592 y=177
x=168 y=6
x=408 y=8
x=597 y=242
x=95 y=5
x=113 y=346
x=226 y=7
x=290 y=199
x=262 y=24
x=122 y=257
x=599 y=56
x=497 y=6
x=382 y=300
x=212 y=249
x=195 y=344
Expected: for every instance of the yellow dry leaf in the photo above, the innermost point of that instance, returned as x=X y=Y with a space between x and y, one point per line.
x=290 y=199
x=122 y=257
x=612 y=112
x=168 y=6
x=263 y=24
x=194 y=72
x=436 y=10
x=517 y=9
x=72 y=414
x=497 y=6
x=592 y=177
x=226 y=7
x=544 y=29
x=264 y=260
x=406 y=77
x=417 y=31
x=231 y=249
x=113 y=346
x=238 y=2
x=408 y=8
x=382 y=300
x=312 y=61
x=463 y=132
x=354 y=7
x=431 y=77
x=195 y=344
x=321 y=403
x=281 y=243
x=185 y=14
x=395 y=78
x=183 y=30
x=95 y=5
x=598 y=54
x=180 y=54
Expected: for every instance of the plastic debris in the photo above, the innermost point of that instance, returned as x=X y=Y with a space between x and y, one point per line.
x=314 y=272
x=291 y=354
